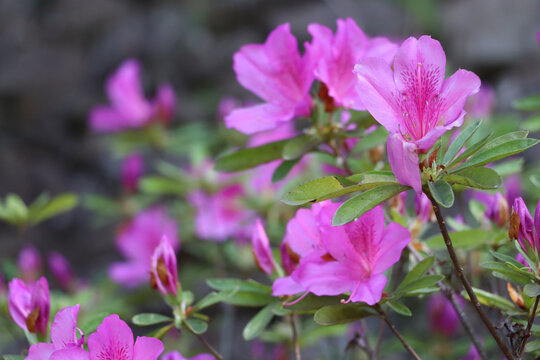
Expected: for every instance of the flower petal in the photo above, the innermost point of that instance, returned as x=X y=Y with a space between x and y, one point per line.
x=394 y=239
x=455 y=91
x=286 y=286
x=257 y=118
x=40 y=351
x=147 y=348
x=302 y=234
x=112 y=340
x=370 y=291
x=73 y=353
x=325 y=277
x=403 y=160
x=261 y=248
x=64 y=327
x=19 y=302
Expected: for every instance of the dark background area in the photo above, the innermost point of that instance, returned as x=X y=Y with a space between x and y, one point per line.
x=55 y=56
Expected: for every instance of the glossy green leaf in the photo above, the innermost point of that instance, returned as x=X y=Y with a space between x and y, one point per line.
x=147 y=319
x=259 y=322
x=214 y=298
x=442 y=193
x=514 y=135
x=343 y=313
x=229 y=284
x=532 y=290
x=248 y=158
x=298 y=146
x=399 y=307
x=369 y=141
x=311 y=303
x=427 y=281
x=249 y=299
x=471 y=150
x=505 y=258
x=529 y=103
x=362 y=203
x=420 y=269
x=462 y=239
x=492 y=300
x=478 y=177
x=197 y=326
x=460 y=141
x=500 y=270
x=283 y=170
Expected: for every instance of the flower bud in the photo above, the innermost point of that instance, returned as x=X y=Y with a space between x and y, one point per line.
x=164 y=271
x=29 y=263
x=261 y=249
x=132 y=170
x=29 y=305
x=61 y=270
x=526 y=224
x=442 y=315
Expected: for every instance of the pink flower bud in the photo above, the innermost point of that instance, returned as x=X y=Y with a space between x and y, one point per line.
x=29 y=263
x=261 y=249
x=165 y=103
x=132 y=170
x=29 y=304
x=442 y=315
x=61 y=270
x=164 y=272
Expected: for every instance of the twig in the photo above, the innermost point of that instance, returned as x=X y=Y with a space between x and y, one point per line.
x=396 y=332
x=295 y=339
x=209 y=347
x=466 y=284
x=529 y=326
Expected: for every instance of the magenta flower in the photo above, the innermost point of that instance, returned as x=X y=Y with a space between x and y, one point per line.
x=496 y=206
x=66 y=338
x=113 y=340
x=61 y=270
x=529 y=229
x=422 y=208
x=413 y=101
x=276 y=73
x=29 y=304
x=131 y=172
x=175 y=355
x=354 y=258
x=472 y=354
x=336 y=55
x=261 y=249
x=442 y=316
x=137 y=242
x=129 y=108
x=164 y=271
x=29 y=264
x=480 y=105
x=512 y=186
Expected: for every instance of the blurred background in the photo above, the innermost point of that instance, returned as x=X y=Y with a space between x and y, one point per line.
x=56 y=54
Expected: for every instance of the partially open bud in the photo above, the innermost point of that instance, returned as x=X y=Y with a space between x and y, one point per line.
x=61 y=270
x=29 y=264
x=261 y=249
x=29 y=305
x=164 y=271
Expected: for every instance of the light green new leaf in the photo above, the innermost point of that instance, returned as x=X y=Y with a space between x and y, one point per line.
x=492 y=300
x=462 y=239
x=197 y=326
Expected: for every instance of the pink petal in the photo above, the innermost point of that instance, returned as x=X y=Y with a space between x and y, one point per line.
x=286 y=286
x=455 y=91
x=112 y=340
x=257 y=118
x=370 y=291
x=19 y=302
x=70 y=354
x=365 y=234
x=147 y=348
x=165 y=103
x=537 y=226
x=427 y=141
x=130 y=274
x=394 y=239
x=261 y=248
x=40 y=351
x=403 y=160
x=64 y=327
x=302 y=234
x=381 y=47
x=107 y=119
x=325 y=277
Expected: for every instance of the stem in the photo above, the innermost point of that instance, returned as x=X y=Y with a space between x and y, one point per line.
x=295 y=339
x=465 y=282
x=209 y=347
x=529 y=326
x=398 y=335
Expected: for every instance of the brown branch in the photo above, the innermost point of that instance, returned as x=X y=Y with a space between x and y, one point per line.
x=396 y=332
x=529 y=326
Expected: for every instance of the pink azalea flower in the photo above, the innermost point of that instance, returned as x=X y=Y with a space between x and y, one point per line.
x=175 y=355
x=512 y=185
x=496 y=206
x=480 y=105
x=164 y=271
x=29 y=304
x=64 y=336
x=336 y=55
x=131 y=172
x=137 y=242
x=29 y=263
x=227 y=105
x=129 y=108
x=276 y=73
x=422 y=208
x=413 y=101
x=354 y=258
x=529 y=229
x=442 y=315
x=261 y=249
x=61 y=270
x=114 y=340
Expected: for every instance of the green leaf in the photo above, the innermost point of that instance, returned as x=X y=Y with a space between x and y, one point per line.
x=460 y=141
x=15 y=209
x=310 y=303
x=369 y=141
x=197 y=326
x=442 y=192
x=427 y=281
x=532 y=123
x=59 y=204
x=509 y=167
x=502 y=271
x=362 y=203
x=514 y=135
x=14 y=357
x=492 y=300
x=229 y=284
x=343 y=313
x=420 y=269
x=478 y=177
x=249 y=299
x=259 y=322
x=506 y=258
x=92 y=322
x=399 y=307
x=471 y=150
x=248 y=158
x=283 y=170
x=147 y=319
x=298 y=146
x=529 y=103
x=159 y=185
x=214 y=298
x=461 y=239
x=532 y=290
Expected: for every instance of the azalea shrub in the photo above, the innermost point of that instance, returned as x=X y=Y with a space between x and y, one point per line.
x=370 y=205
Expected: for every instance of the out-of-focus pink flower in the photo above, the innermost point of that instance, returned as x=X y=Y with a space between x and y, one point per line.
x=220 y=215
x=422 y=208
x=226 y=106
x=480 y=105
x=175 y=355
x=29 y=304
x=276 y=73
x=64 y=336
x=529 y=229
x=129 y=108
x=336 y=54
x=496 y=206
x=413 y=101
x=164 y=271
x=442 y=315
x=472 y=354
x=137 y=242
x=261 y=248
x=114 y=340
x=29 y=263
x=354 y=258
x=132 y=170
x=61 y=270
x=398 y=202
x=512 y=185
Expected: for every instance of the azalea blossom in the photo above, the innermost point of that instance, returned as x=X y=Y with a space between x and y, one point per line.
x=29 y=304
x=175 y=355
x=413 y=101
x=261 y=248
x=423 y=208
x=29 y=263
x=114 y=340
x=277 y=73
x=61 y=270
x=529 y=229
x=131 y=172
x=335 y=55
x=354 y=258
x=137 y=241
x=480 y=105
x=164 y=270
x=129 y=109
x=442 y=315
